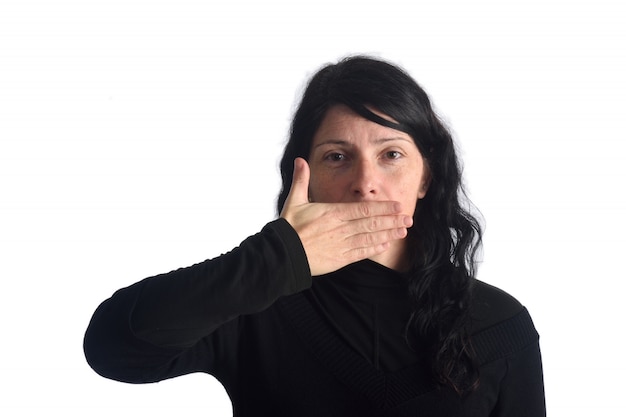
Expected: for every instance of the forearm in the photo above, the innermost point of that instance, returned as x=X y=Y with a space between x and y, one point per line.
x=155 y=319
x=178 y=308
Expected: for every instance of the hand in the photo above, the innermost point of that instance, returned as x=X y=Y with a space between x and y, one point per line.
x=337 y=234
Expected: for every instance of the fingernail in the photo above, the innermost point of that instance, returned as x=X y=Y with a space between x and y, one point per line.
x=408 y=221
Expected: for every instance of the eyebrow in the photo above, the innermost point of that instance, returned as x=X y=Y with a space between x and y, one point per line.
x=346 y=143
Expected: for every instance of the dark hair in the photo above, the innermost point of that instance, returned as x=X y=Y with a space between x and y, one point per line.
x=445 y=237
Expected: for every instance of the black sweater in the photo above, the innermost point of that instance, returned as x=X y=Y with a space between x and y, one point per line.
x=283 y=344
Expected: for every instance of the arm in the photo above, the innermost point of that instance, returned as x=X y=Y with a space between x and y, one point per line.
x=149 y=331
x=507 y=344
x=139 y=333
x=521 y=390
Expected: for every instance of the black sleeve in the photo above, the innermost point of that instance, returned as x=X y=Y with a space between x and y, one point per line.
x=521 y=390
x=507 y=344
x=145 y=332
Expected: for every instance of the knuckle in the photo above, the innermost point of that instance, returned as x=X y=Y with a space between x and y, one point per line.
x=399 y=221
x=365 y=209
x=361 y=253
x=369 y=239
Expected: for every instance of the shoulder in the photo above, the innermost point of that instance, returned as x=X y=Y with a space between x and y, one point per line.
x=491 y=306
x=500 y=325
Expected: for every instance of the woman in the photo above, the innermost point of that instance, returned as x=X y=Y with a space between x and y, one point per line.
x=361 y=298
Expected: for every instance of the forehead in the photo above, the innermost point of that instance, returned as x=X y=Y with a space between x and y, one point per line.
x=342 y=124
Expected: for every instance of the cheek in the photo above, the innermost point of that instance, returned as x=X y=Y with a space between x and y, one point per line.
x=409 y=192
x=326 y=188
x=318 y=187
x=314 y=191
x=409 y=201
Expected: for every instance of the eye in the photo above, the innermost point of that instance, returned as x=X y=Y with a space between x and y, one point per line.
x=335 y=157
x=393 y=155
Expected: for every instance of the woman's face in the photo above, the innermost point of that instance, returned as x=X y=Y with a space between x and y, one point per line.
x=354 y=159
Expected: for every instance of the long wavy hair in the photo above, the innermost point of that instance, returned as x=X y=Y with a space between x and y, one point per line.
x=445 y=237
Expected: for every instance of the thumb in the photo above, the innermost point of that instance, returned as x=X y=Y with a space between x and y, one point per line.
x=299 y=192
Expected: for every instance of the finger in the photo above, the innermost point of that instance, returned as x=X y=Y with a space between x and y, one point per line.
x=365 y=245
x=359 y=254
x=365 y=209
x=299 y=192
x=363 y=240
x=378 y=223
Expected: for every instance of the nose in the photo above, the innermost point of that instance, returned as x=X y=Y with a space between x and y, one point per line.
x=364 y=182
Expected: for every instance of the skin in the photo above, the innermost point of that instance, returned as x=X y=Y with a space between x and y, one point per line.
x=353 y=159
x=357 y=197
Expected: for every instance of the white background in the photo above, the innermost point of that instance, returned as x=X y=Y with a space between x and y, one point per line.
x=140 y=136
